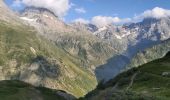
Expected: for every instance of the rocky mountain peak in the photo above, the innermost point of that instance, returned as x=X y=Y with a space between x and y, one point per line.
x=38 y=14
x=146 y=22
x=84 y=27
x=39 y=11
x=44 y=19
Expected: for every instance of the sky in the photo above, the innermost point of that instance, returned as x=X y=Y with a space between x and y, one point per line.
x=120 y=8
x=115 y=11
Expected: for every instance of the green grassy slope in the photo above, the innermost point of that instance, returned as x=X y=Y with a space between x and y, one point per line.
x=17 y=56
x=16 y=90
x=148 y=82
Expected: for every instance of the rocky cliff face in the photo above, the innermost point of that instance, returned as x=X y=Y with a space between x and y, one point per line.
x=149 y=54
x=45 y=20
x=152 y=31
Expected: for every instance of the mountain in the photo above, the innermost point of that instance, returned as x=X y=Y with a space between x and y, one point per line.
x=84 y=27
x=117 y=44
x=75 y=42
x=149 y=54
x=28 y=57
x=39 y=48
x=147 y=82
x=136 y=38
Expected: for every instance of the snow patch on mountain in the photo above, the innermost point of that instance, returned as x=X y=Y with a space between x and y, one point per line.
x=100 y=30
x=27 y=19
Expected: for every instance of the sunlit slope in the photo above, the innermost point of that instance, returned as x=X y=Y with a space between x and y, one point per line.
x=31 y=58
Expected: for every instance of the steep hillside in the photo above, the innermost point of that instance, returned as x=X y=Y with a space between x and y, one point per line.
x=148 y=82
x=44 y=56
x=28 y=57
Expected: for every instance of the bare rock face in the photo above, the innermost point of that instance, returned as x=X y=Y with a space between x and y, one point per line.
x=166 y=74
x=45 y=20
x=90 y=28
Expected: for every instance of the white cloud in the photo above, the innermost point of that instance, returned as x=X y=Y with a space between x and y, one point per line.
x=80 y=10
x=59 y=7
x=156 y=12
x=101 y=21
x=81 y=20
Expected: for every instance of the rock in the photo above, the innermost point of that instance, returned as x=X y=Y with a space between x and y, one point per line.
x=166 y=74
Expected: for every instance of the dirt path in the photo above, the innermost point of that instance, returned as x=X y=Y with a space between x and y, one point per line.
x=132 y=80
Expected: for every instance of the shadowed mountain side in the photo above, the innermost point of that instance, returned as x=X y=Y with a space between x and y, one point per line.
x=149 y=54
x=40 y=69
x=49 y=68
x=17 y=90
x=118 y=63
x=113 y=66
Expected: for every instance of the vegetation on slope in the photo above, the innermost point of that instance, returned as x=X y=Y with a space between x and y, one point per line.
x=28 y=57
x=148 y=82
x=16 y=90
